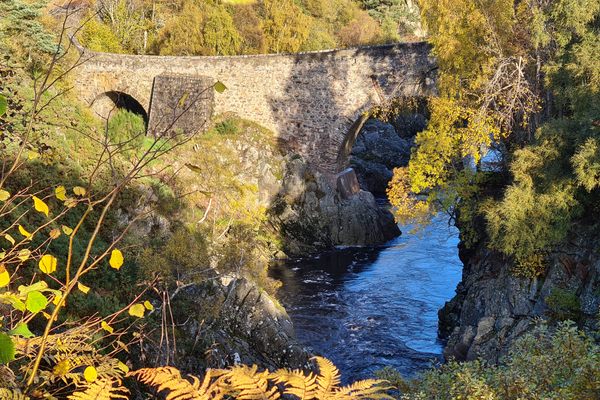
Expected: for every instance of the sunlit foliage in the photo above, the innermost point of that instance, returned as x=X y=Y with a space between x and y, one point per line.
x=564 y=364
x=520 y=78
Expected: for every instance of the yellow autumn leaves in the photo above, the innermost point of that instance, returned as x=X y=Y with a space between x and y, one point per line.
x=138 y=310
x=116 y=259
x=48 y=263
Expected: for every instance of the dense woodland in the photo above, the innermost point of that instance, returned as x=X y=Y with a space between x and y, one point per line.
x=81 y=286
x=214 y=27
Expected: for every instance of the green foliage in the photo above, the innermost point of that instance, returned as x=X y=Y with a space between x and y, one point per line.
x=7 y=349
x=125 y=125
x=21 y=28
x=227 y=127
x=564 y=364
x=586 y=164
x=395 y=16
x=208 y=27
x=3 y=105
x=543 y=129
x=183 y=257
x=200 y=29
x=98 y=36
x=564 y=304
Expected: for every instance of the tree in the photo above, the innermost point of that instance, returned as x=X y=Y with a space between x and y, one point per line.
x=285 y=26
x=522 y=78
x=199 y=29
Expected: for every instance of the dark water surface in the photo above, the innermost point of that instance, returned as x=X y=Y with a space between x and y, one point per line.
x=366 y=308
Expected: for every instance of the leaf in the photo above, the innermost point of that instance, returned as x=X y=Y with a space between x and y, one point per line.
x=90 y=374
x=148 y=305
x=21 y=330
x=32 y=155
x=10 y=239
x=182 y=100
x=67 y=231
x=13 y=300
x=24 y=232
x=83 y=288
x=40 y=206
x=194 y=168
x=70 y=203
x=48 y=264
x=7 y=349
x=79 y=191
x=39 y=286
x=54 y=233
x=220 y=87
x=116 y=259
x=3 y=105
x=57 y=298
x=137 y=310
x=61 y=193
x=62 y=368
x=36 y=302
x=4 y=276
x=24 y=254
x=123 y=367
x=4 y=195
x=106 y=327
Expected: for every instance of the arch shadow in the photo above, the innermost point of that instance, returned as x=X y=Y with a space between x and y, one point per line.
x=106 y=102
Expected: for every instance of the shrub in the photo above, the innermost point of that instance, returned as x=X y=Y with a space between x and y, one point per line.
x=564 y=364
x=563 y=304
x=227 y=127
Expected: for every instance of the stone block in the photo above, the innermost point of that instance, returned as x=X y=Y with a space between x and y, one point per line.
x=347 y=183
x=181 y=104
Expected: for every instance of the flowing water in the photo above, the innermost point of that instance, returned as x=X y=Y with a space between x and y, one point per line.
x=366 y=308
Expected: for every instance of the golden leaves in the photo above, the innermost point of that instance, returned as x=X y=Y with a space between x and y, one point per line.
x=137 y=310
x=79 y=191
x=90 y=374
x=148 y=306
x=24 y=232
x=48 y=263
x=40 y=206
x=4 y=195
x=61 y=193
x=83 y=288
x=54 y=233
x=116 y=259
x=106 y=327
x=4 y=276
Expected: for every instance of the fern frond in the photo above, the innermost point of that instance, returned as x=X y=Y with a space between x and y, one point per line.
x=246 y=383
x=328 y=379
x=297 y=383
x=168 y=378
x=12 y=394
x=102 y=389
x=365 y=389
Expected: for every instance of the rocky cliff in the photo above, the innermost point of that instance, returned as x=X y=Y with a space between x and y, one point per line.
x=381 y=147
x=493 y=307
x=313 y=215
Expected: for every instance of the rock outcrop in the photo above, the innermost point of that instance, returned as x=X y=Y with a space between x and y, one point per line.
x=312 y=215
x=227 y=321
x=381 y=147
x=493 y=307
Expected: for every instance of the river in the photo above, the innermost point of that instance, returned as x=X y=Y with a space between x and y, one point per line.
x=367 y=308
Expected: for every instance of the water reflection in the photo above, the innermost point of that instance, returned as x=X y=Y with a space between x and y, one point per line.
x=366 y=308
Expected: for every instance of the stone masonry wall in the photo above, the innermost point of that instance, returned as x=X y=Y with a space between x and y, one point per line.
x=310 y=99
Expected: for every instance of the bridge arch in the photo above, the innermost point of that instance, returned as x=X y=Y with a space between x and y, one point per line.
x=407 y=109
x=108 y=102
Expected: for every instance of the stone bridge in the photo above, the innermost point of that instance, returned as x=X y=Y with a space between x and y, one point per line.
x=316 y=102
